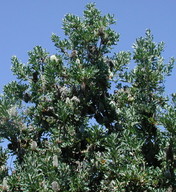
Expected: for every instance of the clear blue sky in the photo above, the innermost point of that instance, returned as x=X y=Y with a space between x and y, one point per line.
x=25 y=24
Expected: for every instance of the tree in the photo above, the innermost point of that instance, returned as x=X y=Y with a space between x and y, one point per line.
x=71 y=131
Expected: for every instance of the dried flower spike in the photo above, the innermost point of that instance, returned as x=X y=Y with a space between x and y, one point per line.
x=55 y=186
x=33 y=145
x=55 y=161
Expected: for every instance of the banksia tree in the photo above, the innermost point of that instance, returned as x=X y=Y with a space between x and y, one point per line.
x=71 y=130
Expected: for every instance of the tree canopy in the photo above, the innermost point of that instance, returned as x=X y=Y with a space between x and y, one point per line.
x=80 y=120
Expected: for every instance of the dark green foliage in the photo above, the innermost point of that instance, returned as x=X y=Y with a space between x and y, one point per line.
x=71 y=131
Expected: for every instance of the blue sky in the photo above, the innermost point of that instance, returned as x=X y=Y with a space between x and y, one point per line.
x=25 y=24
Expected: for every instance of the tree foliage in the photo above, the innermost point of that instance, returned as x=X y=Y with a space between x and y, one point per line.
x=71 y=130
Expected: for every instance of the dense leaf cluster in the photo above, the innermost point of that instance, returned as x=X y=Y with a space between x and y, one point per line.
x=80 y=120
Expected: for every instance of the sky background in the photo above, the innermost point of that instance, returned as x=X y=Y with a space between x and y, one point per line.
x=26 y=24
